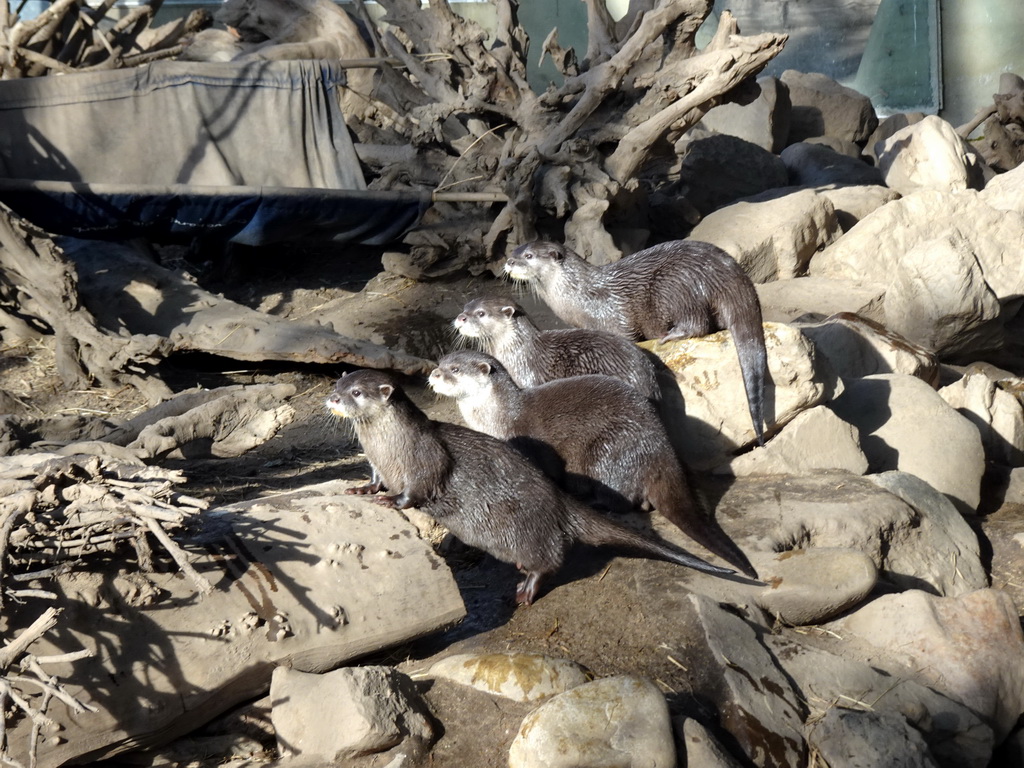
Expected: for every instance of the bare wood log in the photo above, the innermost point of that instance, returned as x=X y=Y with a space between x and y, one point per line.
x=601 y=42
x=201 y=583
x=14 y=648
x=729 y=69
x=84 y=352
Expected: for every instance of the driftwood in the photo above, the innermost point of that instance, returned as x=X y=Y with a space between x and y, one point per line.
x=458 y=115
x=66 y=37
x=39 y=286
x=1001 y=141
x=55 y=512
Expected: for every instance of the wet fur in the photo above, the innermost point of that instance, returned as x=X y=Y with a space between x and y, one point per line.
x=531 y=356
x=481 y=489
x=676 y=290
x=604 y=441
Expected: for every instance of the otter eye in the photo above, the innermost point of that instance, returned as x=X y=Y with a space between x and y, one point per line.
x=455 y=369
x=528 y=255
x=357 y=393
x=480 y=313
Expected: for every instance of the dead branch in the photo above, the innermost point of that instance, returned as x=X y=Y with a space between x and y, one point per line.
x=47 y=283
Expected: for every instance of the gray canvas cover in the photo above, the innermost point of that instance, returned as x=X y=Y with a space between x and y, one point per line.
x=249 y=152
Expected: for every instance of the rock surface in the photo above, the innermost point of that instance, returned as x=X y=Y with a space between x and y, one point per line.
x=309 y=580
x=710 y=418
x=350 y=712
x=809 y=586
x=517 y=676
x=972 y=642
x=904 y=424
x=613 y=721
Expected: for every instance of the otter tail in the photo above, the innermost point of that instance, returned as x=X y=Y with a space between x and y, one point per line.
x=749 y=341
x=671 y=491
x=591 y=528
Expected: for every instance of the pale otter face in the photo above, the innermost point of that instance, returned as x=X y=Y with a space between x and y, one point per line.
x=535 y=262
x=361 y=394
x=462 y=375
x=485 y=318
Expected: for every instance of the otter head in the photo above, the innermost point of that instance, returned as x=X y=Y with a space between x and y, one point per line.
x=464 y=374
x=486 y=318
x=535 y=262
x=362 y=394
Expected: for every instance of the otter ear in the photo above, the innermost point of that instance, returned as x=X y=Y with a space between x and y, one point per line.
x=509 y=311
x=386 y=390
x=484 y=367
x=554 y=252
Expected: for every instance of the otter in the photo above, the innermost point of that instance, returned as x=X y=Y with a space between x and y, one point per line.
x=614 y=450
x=532 y=356
x=674 y=290
x=483 y=490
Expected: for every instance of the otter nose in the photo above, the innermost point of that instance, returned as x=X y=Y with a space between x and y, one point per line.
x=461 y=319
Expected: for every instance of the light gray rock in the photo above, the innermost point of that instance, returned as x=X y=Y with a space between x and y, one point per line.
x=1006 y=191
x=928 y=155
x=810 y=299
x=701 y=748
x=759 y=706
x=996 y=413
x=969 y=648
x=308 y=580
x=941 y=521
x=853 y=202
x=764 y=122
x=350 y=712
x=856 y=347
x=906 y=425
x=709 y=418
x=928 y=545
x=772 y=236
x=887 y=127
x=823 y=107
x=815 y=440
x=809 y=586
x=940 y=299
x=868 y=740
x=944 y=257
x=720 y=169
x=815 y=164
x=839 y=677
x=517 y=676
x=613 y=721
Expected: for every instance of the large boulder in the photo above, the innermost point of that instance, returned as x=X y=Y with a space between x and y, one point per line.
x=906 y=425
x=832 y=677
x=706 y=412
x=774 y=235
x=950 y=263
x=928 y=154
x=810 y=299
x=758 y=705
x=719 y=169
x=823 y=107
x=969 y=648
x=764 y=121
x=813 y=164
x=914 y=535
x=613 y=721
x=815 y=440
